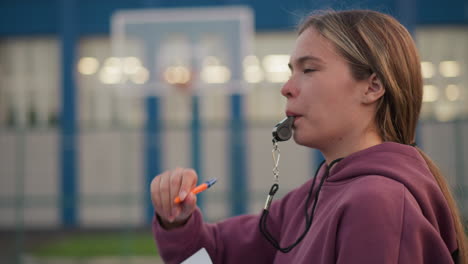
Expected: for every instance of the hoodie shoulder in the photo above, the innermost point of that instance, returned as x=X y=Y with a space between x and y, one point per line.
x=373 y=191
x=372 y=210
x=381 y=222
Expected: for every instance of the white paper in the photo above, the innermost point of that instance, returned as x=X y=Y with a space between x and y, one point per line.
x=200 y=257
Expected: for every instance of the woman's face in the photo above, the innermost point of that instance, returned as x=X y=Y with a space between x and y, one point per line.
x=322 y=94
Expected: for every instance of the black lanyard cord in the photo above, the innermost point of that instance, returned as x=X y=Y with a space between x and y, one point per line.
x=309 y=195
x=309 y=219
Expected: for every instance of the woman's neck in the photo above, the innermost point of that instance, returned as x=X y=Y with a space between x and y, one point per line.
x=344 y=147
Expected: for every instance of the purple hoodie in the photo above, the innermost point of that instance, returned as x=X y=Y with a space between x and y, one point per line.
x=378 y=205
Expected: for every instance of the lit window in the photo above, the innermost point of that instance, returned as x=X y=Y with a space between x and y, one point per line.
x=452 y=92
x=214 y=72
x=88 y=65
x=427 y=69
x=276 y=68
x=141 y=76
x=449 y=68
x=131 y=65
x=177 y=75
x=431 y=94
x=252 y=71
x=445 y=111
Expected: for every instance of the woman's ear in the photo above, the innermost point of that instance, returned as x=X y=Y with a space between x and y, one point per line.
x=373 y=90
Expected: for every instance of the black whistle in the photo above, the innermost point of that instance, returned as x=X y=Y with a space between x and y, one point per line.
x=283 y=130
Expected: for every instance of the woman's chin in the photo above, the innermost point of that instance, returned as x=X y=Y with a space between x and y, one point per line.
x=298 y=139
x=304 y=141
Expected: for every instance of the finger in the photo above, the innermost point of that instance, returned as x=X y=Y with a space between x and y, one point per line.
x=155 y=198
x=164 y=195
x=189 y=180
x=188 y=206
x=174 y=182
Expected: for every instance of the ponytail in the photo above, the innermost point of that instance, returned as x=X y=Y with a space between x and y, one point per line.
x=456 y=218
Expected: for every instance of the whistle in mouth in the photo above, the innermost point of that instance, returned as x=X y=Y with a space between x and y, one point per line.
x=283 y=130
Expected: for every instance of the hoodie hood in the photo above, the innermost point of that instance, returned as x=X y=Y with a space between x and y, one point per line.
x=386 y=159
x=404 y=164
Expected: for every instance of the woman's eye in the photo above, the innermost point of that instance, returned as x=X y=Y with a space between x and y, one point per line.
x=308 y=70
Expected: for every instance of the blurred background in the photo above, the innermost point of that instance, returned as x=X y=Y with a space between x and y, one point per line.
x=98 y=97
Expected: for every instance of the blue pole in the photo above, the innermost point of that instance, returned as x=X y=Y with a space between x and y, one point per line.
x=197 y=143
x=152 y=149
x=68 y=144
x=238 y=170
x=152 y=137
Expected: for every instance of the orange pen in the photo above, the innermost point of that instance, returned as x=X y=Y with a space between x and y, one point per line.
x=200 y=188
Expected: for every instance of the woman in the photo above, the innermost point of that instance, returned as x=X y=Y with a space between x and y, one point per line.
x=355 y=92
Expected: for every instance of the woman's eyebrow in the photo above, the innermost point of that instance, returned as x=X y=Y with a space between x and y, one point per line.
x=303 y=59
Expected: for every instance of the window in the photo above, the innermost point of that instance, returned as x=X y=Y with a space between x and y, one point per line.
x=444 y=57
x=29 y=81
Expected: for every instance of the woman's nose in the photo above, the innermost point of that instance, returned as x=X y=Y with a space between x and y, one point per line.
x=288 y=90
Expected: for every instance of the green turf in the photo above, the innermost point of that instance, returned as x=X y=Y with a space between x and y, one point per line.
x=96 y=245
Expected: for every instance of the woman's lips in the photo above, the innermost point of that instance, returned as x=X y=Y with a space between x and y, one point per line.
x=295 y=115
x=290 y=113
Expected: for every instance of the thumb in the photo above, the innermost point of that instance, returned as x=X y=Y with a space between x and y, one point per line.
x=187 y=207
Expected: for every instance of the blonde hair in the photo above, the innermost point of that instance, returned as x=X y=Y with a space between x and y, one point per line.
x=373 y=42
